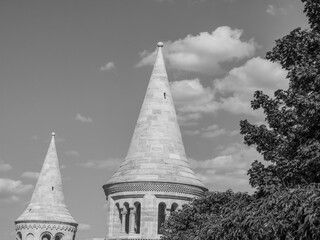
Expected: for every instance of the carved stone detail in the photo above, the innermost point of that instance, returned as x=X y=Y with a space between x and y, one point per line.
x=46 y=226
x=154 y=187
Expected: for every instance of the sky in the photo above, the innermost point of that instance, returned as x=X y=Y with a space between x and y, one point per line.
x=81 y=69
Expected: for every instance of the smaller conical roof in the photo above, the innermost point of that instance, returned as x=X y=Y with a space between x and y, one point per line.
x=47 y=202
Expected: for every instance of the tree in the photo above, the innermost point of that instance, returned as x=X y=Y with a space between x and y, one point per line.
x=291 y=214
x=203 y=217
x=291 y=142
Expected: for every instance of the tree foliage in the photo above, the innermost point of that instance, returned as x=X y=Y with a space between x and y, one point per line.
x=203 y=216
x=288 y=214
x=291 y=142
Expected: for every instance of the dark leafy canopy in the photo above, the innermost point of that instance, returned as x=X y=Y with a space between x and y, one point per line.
x=292 y=142
x=203 y=216
x=293 y=215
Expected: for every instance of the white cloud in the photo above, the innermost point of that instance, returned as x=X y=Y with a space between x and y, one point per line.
x=190 y=92
x=84 y=227
x=102 y=164
x=9 y=189
x=272 y=10
x=234 y=133
x=233 y=93
x=205 y=52
x=4 y=166
x=83 y=118
x=188 y=119
x=191 y=132
x=30 y=175
x=191 y=99
x=108 y=67
x=213 y=131
x=228 y=169
x=237 y=88
x=72 y=153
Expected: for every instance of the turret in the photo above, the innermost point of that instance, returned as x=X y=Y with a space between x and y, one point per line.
x=155 y=178
x=47 y=216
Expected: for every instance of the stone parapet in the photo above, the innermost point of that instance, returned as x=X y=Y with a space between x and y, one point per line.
x=50 y=226
x=38 y=230
x=153 y=187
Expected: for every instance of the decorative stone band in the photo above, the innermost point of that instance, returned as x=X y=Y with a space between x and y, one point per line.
x=58 y=226
x=153 y=187
x=173 y=197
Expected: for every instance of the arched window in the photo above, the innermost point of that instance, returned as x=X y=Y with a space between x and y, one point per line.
x=161 y=215
x=30 y=236
x=58 y=236
x=19 y=236
x=46 y=236
x=117 y=216
x=127 y=218
x=137 y=220
x=118 y=211
x=174 y=207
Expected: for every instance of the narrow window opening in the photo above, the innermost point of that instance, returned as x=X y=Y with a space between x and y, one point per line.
x=19 y=236
x=52 y=188
x=117 y=220
x=137 y=217
x=161 y=215
x=58 y=236
x=174 y=207
x=46 y=236
x=164 y=95
x=126 y=217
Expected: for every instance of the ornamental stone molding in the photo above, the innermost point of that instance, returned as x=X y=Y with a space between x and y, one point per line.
x=153 y=187
x=46 y=226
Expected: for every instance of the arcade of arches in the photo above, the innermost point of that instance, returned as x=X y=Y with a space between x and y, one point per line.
x=43 y=236
x=128 y=217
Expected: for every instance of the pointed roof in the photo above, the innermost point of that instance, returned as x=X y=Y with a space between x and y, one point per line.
x=156 y=151
x=47 y=202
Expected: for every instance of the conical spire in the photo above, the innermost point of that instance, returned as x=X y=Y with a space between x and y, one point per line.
x=156 y=151
x=47 y=202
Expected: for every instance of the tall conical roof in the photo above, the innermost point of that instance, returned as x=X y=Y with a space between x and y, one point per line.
x=156 y=151
x=47 y=202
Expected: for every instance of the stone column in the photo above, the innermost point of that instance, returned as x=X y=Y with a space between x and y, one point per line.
x=148 y=227
x=123 y=221
x=132 y=221
x=167 y=213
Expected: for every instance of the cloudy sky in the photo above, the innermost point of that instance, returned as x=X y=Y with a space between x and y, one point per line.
x=81 y=68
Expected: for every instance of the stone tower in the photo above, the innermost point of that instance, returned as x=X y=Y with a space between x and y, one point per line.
x=47 y=217
x=155 y=178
